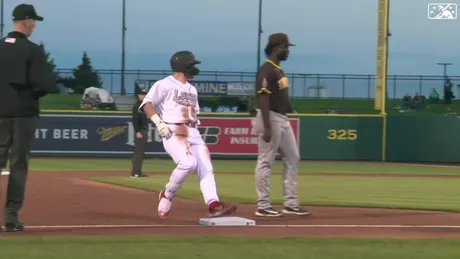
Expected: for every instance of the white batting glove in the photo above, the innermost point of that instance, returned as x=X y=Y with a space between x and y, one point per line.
x=163 y=129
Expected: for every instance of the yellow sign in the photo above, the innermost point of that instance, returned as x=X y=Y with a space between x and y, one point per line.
x=382 y=55
x=108 y=133
x=342 y=134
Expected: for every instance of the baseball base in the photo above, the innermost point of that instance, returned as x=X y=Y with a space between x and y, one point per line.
x=227 y=221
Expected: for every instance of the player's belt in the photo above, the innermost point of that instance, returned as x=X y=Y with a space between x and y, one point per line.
x=190 y=124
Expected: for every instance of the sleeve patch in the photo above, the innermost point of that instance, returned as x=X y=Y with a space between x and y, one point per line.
x=283 y=82
x=264 y=87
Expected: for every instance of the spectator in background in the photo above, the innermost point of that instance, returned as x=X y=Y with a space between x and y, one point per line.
x=448 y=93
x=406 y=102
x=434 y=96
x=419 y=100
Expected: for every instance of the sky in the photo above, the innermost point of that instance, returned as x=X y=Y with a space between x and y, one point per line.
x=331 y=36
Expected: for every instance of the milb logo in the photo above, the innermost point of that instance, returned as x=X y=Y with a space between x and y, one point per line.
x=210 y=134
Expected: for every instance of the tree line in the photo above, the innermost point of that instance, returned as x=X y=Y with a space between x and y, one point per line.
x=83 y=76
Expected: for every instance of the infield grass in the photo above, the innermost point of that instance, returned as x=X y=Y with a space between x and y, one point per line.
x=225 y=248
x=247 y=166
x=365 y=190
x=380 y=192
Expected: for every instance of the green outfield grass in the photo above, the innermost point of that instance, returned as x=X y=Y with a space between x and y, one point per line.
x=305 y=167
x=61 y=102
x=226 y=248
x=366 y=106
x=310 y=105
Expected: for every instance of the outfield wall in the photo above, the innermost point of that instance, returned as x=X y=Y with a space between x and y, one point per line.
x=320 y=137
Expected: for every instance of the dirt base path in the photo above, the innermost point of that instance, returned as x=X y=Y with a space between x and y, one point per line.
x=63 y=204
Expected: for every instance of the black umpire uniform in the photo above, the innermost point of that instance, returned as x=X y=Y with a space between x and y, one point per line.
x=141 y=128
x=25 y=76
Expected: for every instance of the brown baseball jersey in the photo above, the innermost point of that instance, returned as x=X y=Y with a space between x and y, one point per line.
x=272 y=81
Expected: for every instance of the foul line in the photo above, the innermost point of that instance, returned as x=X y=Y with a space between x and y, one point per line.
x=263 y=226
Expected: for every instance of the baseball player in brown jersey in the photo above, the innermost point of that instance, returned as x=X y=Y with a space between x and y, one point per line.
x=275 y=131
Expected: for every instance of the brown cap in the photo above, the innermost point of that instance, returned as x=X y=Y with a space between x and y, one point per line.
x=279 y=39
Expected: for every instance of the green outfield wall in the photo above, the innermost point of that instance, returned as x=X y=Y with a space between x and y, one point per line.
x=230 y=136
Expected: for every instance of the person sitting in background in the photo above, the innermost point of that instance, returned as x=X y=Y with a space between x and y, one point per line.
x=86 y=103
x=434 y=96
x=418 y=100
x=406 y=101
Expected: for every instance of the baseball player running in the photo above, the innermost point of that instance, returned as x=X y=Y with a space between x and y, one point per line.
x=276 y=134
x=172 y=105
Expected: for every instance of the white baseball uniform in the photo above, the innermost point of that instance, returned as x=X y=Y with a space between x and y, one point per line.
x=177 y=105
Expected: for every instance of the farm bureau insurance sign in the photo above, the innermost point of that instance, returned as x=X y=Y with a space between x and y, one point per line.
x=112 y=134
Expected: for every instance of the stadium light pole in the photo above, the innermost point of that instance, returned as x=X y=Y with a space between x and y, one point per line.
x=444 y=68
x=1 y=17
x=123 y=48
x=259 y=34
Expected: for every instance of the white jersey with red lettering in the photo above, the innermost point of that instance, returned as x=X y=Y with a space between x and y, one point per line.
x=176 y=102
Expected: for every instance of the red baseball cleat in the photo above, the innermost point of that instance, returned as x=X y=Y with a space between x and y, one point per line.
x=219 y=209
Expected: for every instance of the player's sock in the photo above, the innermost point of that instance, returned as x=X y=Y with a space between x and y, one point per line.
x=208 y=188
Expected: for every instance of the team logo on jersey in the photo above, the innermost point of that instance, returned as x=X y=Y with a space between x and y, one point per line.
x=184 y=98
x=283 y=82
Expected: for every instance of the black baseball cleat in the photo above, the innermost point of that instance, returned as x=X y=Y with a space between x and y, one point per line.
x=299 y=211
x=268 y=212
x=141 y=174
x=14 y=227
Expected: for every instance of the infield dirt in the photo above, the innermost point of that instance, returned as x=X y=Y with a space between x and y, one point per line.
x=55 y=200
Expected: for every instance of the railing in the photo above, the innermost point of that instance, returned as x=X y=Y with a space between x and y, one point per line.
x=301 y=85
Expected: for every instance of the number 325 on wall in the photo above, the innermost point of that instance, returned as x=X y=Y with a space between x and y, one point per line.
x=342 y=134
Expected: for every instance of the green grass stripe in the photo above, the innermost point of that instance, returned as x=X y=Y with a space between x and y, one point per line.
x=226 y=248
x=64 y=102
x=385 y=192
x=236 y=166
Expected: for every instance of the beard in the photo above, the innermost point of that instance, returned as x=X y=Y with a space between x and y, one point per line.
x=283 y=57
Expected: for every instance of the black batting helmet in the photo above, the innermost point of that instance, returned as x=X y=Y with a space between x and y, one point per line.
x=184 y=62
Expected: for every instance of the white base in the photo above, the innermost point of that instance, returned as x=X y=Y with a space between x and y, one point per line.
x=227 y=221
x=5 y=173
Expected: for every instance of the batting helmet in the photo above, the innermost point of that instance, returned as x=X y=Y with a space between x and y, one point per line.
x=184 y=62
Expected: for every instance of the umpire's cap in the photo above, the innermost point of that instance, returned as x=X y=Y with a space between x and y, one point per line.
x=24 y=12
x=141 y=87
x=183 y=61
x=278 y=39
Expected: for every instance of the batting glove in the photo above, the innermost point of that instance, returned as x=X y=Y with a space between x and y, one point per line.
x=163 y=129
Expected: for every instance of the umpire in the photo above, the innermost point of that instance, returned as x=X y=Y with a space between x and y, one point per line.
x=25 y=76
x=140 y=124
